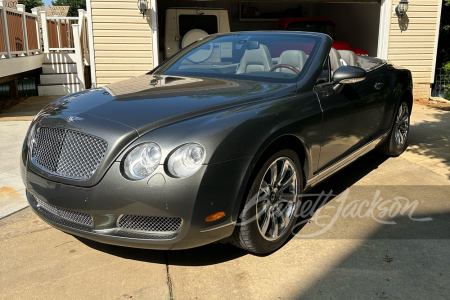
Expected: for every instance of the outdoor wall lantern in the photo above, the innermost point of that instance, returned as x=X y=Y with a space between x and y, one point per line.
x=402 y=8
x=143 y=6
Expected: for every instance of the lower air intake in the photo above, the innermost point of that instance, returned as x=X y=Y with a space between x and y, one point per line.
x=146 y=223
x=72 y=216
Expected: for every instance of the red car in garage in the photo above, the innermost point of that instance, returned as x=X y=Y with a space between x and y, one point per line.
x=322 y=25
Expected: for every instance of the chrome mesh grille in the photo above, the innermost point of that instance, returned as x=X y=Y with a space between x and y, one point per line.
x=76 y=217
x=68 y=153
x=146 y=223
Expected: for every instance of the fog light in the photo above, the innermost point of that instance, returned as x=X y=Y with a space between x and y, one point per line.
x=215 y=216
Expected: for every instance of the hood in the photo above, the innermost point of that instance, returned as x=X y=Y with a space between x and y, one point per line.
x=150 y=101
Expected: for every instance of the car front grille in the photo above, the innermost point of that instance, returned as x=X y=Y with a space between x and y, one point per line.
x=72 y=216
x=149 y=224
x=67 y=153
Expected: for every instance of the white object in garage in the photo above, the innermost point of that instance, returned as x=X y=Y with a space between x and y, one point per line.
x=201 y=55
x=191 y=36
x=195 y=22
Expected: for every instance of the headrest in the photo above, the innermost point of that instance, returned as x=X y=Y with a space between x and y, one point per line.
x=349 y=57
x=335 y=60
x=295 y=58
x=258 y=56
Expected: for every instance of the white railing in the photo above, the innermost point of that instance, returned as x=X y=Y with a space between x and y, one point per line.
x=67 y=34
x=19 y=32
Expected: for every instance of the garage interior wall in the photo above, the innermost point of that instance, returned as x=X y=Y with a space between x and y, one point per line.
x=122 y=40
x=413 y=40
x=356 y=23
x=233 y=12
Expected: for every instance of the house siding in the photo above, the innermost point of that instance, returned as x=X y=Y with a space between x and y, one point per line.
x=414 y=46
x=122 y=41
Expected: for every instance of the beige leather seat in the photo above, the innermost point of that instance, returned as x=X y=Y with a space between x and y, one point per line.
x=295 y=58
x=349 y=57
x=255 y=60
x=335 y=60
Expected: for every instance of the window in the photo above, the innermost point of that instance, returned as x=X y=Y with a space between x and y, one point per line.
x=207 y=23
x=258 y=56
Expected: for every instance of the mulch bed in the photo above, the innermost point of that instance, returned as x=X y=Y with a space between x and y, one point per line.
x=434 y=104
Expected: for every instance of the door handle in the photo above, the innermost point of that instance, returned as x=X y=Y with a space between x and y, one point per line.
x=379 y=85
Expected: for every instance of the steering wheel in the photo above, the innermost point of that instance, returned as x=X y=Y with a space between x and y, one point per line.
x=285 y=66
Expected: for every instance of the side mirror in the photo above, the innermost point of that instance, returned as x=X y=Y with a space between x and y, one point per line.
x=347 y=74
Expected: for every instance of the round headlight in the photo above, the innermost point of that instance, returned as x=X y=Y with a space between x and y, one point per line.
x=186 y=160
x=142 y=161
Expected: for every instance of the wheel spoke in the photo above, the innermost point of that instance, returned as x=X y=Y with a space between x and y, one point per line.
x=263 y=207
x=273 y=174
x=404 y=135
x=274 y=231
x=265 y=224
x=278 y=212
x=283 y=172
x=264 y=188
x=400 y=136
x=288 y=182
x=285 y=220
x=289 y=198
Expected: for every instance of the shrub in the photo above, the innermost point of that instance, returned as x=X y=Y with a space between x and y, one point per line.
x=446 y=68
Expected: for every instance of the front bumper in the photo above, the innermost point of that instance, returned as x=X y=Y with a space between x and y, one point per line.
x=214 y=188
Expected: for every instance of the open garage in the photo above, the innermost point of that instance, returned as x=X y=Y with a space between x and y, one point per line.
x=354 y=23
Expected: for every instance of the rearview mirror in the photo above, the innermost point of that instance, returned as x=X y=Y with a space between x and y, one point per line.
x=347 y=74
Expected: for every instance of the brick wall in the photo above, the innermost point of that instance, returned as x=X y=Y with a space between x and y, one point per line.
x=421 y=91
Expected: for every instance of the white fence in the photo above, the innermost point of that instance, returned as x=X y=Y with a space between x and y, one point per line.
x=19 y=32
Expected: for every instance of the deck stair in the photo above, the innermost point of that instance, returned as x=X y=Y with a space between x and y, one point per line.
x=66 y=49
x=59 y=75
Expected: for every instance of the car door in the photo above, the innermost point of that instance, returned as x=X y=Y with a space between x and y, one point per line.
x=351 y=116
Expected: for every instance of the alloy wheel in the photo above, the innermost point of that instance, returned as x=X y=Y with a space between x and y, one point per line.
x=402 y=126
x=277 y=199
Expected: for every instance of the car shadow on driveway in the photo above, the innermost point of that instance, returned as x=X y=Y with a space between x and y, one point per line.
x=337 y=184
x=202 y=256
x=218 y=252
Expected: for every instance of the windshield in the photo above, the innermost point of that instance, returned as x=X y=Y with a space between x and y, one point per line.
x=264 y=57
x=326 y=27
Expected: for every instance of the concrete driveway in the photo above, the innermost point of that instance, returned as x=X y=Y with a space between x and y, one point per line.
x=394 y=249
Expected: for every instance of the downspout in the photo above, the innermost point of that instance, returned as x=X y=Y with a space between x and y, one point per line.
x=385 y=27
x=436 y=42
x=155 y=38
x=91 y=44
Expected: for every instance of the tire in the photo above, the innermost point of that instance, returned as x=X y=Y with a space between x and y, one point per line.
x=397 y=142
x=269 y=204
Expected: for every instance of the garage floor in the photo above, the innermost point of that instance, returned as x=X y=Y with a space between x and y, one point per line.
x=357 y=256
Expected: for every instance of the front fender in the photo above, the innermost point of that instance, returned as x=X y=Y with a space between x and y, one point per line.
x=246 y=132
